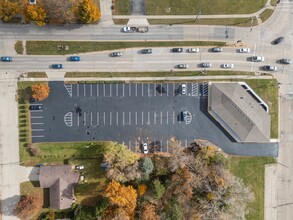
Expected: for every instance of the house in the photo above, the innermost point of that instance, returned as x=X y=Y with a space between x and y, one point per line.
x=61 y=181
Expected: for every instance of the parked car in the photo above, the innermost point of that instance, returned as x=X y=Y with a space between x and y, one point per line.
x=147 y=51
x=183 y=89
x=79 y=167
x=285 y=61
x=6 y=59
x=116 y=54
x=57 y=66
x=228 y=65
x=244 y=50
x=217 y=49
x=35 y=107
x=257 y=59
x=128 y=29
x=182 y=66
x=192 y=50
x=206 y=64
x=74 y=58
x=278 y=40
x=145 y=148
x=177 y=50
x=270 y=68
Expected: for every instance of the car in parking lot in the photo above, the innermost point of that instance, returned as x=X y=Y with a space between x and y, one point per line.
x=228 y=65
x=217 y=49
x=145 y=148
x=35 y=107
x=192 y=50
x=183 y=89
x=74 y=58
x=285 y=61
x=147 y=51
x=79 y=167
x=57 y=66
x=244 y=50
x=182 y=66
x=270 y=68
x=206 y=64
x=257 y=58
x=177 y=50
x=278 y=40
x=6 y=59
x=116 y=54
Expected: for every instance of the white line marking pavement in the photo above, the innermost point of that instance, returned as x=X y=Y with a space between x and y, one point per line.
x=104 y=118
x=36 y=116
x=161 y=145
x=142 y=89
x=123 y=90
x=185 y=143
x=91 y=89
x=38 y=136
x=98 y=118
x=173 y=117
x=173 y=88
x=167 y=118
x=155 y=120
x=167 y=89
x=167 y=146
x=84 y=119
x=97 y=89
x=84 y=93
x=122 y=118
x=37 y=123
x=161 y=89
x=161 y=117
x=135 y=89
x=129 y=145
x=104 y=89
x=116 y=118
x=110 y=90
x=116 y=89
x=142 y=118
x=40 y=129
x=77 y=120
x=77 y=90
x=129 y=118
x=148 y=118
x=91 y=119
x=135 y=118
x=155 y=89
x=148 y=89
x=110 y=118
x=129 y=89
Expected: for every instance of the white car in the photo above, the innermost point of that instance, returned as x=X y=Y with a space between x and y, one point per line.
x=244 y=50
x=192 y=50
x=182 y=66
x=183 y=89
x=257 y=59
x=228 y=65
x=129 y=29
x=79 y=167
x=145 y=148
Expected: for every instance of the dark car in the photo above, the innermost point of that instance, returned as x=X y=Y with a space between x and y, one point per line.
x=285 y=61
x=57 y=66
x=270 y=68
x=206 y=65
x=116 y=54
x=74 y=58
x=278 y=40
x=147 y=51
x=35 y=107
x=177 y=50
x=6 y=59
x=217 y=49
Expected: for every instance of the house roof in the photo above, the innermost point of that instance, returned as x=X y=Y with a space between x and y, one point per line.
x=61 y=182
x=238 y=112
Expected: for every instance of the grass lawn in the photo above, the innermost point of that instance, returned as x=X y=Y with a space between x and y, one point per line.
x=50 y=47
x=121 y=21
x=19 y=47
x=121 y=7
x=37 y=75
x=251 y=170
x=266 y=14
x=206 y=7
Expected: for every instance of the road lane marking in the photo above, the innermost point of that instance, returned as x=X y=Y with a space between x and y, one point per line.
x=173 y=117
x=97 y=89
x=110 y=118
x=167 y=146
x=161 y=145
x=78 y=120
x=38 y=136
x=129 y=119
x=155 y=117
x=129 y=89
x=142 y=89
x=37 y=123
x=135 y=89
x=104 y=89
x=98 y=118
x=40 y=129
x=91 y=89
x=116 y=89
x=91 y=119
x=185 y=143
x=142 y=118
x=84 y=119
x=77 y=90
x=167 y=89
x=161 y=117
x=149 y=89
x=173 y=89
x=123 y=89
x=110 y=90
x=84 y=93
x=148 y=118
x=36 y=116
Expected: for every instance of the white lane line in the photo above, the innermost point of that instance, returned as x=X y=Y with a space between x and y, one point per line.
x=36 y=116
x=161 y=145
x=91 y=89
x=122 y=118
x=110 y=118
x=104 y=118
x=129 y=89
x=38 y=129
x=116 y=89
x=173 y=88
x=185 y=143
x=155 y=120
x=38 y=136
x=167 y=118
x=167 y=146
x=77 y=120
x=148 y=89
x=91 y=119
x=129 y=120
x=37 y=123
x=104 y=89
x=84 y=119
x=161 y=118
x=148 y=118
x=142 y=118
x=173 y=117
x=135 y=89
x=167 y=89
x=155 y=92
x=161 y=89
x=116 y=118
x=110 y=90
x=142 y=89
x=98 y=118
x=77 y=90
x=135 y=118
x=123 y=90
x=97 y=89
x=84 y=93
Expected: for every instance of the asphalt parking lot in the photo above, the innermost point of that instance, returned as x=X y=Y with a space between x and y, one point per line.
x=133 y=113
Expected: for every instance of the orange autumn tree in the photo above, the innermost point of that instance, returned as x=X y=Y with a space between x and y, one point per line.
x=122 y=196
x=40 y=91
x=36 y=13
x=88 y=11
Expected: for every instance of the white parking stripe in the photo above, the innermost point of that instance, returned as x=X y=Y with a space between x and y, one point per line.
x=161 y=89
x=155 y=120
x=167 y=146
x=129 y=118
x=98 y=118
x=84 y=119
x=110 y=118
x=84 y=93
x=40 y=123
x=116 y=89
x=135 y=118
x=77 y=120
x=129 y=145
x=167 y=89
x=122 y=118
x=38 y=129
x=77 y=89
x=116 y=118
x=142 y=118
x=161 y=117
x=110 y=90
x=38 y=136
x=91 y=89
x=135 y=89
x=173 y=88
x=36 y=116
x=155 y=89
x=104 y=118
x=129 y=89
x=91 y=119
x=123 y=90
x=185 y=143
x=161 y=145
x=104 y=89
x=173 y=117
x=167 y=117
x=148 y=118
x=148 y=89
x=142 y=89
x=97 y=89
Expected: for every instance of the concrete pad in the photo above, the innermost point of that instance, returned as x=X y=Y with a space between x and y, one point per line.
x=29 y=174
x=106 y=13
x=270 y=192
x=138 y=21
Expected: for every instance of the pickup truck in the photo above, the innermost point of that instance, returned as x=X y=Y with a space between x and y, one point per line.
x=128 y=29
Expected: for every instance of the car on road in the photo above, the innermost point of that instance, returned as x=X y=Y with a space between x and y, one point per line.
x=228 y=65
x=285 y=61
x=147 y=51
x=217 y=49
x=177 y=50
x=128 y=29
x=116 y=54
x=206 y=64
x=6 y=59
x=35 y=107
x=257 y=58
x=270 y=68
x=244 y=50
x=145 y=148
x=183 y=89
x=74 y=58
x=182 y=66
x=278 y=40
x=57 y=66
x=192 y=50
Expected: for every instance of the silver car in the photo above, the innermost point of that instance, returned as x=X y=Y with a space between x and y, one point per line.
x=244 y=50
x=228 y=65
x=192 y=50
x=182 y=66
x=206 y=64
x=257 y=59
x=183 y=89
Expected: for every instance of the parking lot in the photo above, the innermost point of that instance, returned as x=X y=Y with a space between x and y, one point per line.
x=131 y=113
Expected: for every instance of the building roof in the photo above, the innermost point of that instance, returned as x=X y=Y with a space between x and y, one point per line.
x=239 y=112
x=61 y=182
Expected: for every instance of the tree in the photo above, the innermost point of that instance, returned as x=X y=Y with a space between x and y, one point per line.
x=88 y=12
x=36 y=13
x=142 y=189
x=149 y=212
x=40 y=91
x=121 y=196
x=158 y=189
x=174 y=211
x=147 y=165
x=28 y=206
x=8 y=9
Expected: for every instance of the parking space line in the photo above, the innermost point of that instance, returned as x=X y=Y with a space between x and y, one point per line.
x=40 y=129
x=135 y=89
x=136 y=145
x=142 y=89
x=129 y=89
x=84 y=93
x=104 y=90
x=142 y=118
x=161 y=145
x=84 y=119
x=173 y=88
x=185 y=143
x=155 y=120
x=91 y=89
x=77 y=120
x=167 y=118
x=110 y=90
x=173 y=117
x=104 y=118
x=129 y=120
x=129 y=145
x=36 y=116
x=161 y=118
x=77 y=90
x=37 y=123
x=116 y=118
x=161 y=89
x=91 y=119
x=97 y=89
x=135 y=118
x=167 y=146
x=38 y=136
x=149 y=89
x=123 y=90
x=116 y=89
x=148 y=118
x=98 y=118
x=155 y=89
x=110 y=118
x=123 y=118
x=167 y=89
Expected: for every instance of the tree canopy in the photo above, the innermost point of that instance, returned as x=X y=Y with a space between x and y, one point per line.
x=40 y=91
